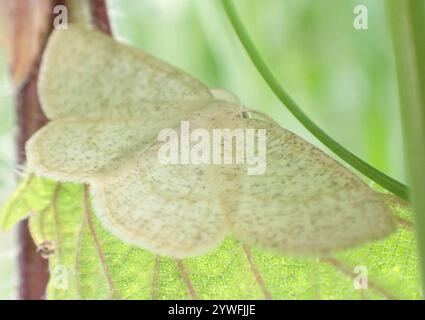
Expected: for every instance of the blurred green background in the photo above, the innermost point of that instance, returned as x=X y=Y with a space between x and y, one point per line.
x=343 y=78
x=7 y=182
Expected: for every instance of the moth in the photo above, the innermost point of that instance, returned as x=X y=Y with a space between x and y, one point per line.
x=107 y=102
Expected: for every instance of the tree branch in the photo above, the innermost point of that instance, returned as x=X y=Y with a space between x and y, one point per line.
x=100 y=18
x=28 y=25
x=31 y=23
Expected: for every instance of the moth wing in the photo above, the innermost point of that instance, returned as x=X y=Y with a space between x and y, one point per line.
x=171 y=210
x=305 y=203
x=86 y=72
x=176 y=210
x=81 y=150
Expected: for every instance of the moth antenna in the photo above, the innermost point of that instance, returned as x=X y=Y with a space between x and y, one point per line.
x=20 y=170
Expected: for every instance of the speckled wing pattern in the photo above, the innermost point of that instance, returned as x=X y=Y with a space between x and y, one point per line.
x=81 y=63
x=100 y=124
x=177 y=210
x=108 y=102
x=313 y=204
x=98 y=144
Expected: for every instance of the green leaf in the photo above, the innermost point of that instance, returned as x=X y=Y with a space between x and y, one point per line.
x=32 y=195
x=90 y=263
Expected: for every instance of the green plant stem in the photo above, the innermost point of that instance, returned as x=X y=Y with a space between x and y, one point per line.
x=407 y=21
x=372 y=173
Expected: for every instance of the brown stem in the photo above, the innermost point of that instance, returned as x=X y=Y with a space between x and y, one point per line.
x=257 y=274
x=155 y=278
x=33 y=270
x=99 y=13
x=31 y=22
x=96 y=242
x=185 y=276
x=405 y=223
x=347 y=271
